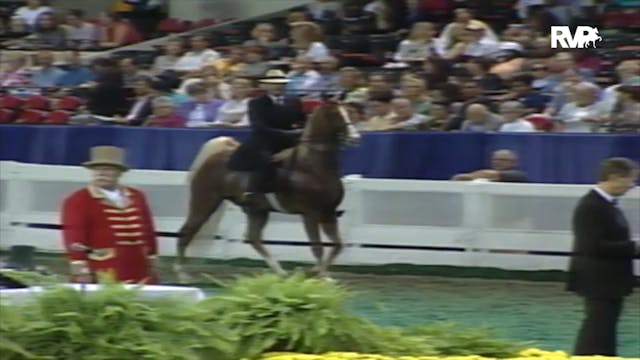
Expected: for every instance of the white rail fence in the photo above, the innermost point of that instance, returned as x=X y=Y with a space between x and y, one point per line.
x=508 y=226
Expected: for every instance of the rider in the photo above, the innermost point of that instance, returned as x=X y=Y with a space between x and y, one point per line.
x=276 y=124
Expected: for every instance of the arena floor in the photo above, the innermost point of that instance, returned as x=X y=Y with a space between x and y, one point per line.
x=520 y=310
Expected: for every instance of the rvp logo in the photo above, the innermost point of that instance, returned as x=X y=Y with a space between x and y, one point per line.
x=585 y=36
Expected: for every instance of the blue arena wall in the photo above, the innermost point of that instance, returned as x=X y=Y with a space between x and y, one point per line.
x=548 y=158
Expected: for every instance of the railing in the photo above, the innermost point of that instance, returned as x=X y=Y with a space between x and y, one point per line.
x=509 y=226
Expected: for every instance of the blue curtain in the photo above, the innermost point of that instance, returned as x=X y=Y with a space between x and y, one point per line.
x=550 y=158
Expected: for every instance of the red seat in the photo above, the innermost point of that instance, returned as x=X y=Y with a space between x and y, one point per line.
x=37 y=102
x=11 y=102
x=58 y=117
x=7 y=115
x=309 y=105
x=31 y=116
x=69 y=103
x=171 y=25
x=541 y=122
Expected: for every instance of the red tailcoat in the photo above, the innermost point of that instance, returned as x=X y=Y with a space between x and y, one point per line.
x=123 y=238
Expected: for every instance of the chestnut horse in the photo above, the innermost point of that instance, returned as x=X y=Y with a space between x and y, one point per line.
x=307 y=183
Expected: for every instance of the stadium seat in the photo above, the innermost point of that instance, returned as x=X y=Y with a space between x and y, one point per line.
x=7 y=116
x=58 y=117
x=541 y=122
x=68 y=103
x=37 y=102
x=11 y=102
x=308 y=105
x=31 y=116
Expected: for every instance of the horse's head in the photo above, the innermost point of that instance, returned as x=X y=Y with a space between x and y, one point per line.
x=330 y=123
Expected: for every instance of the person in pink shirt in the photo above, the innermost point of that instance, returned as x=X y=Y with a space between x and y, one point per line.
x=164 y=114
x=14 y=71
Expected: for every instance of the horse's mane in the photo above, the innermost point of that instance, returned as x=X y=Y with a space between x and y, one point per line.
x=211 y=147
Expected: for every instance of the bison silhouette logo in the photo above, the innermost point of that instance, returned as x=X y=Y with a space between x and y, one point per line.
x=585 y=37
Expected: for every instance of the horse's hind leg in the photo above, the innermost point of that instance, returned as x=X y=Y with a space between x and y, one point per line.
x=330 y=228
x=257 y=222
x=200 y=209
x=312 y=228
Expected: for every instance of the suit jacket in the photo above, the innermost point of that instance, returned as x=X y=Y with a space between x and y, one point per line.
x=272 y=124
x=122 y=238
x=601 y=265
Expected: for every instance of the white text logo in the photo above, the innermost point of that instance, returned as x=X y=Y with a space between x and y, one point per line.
x=585 y=36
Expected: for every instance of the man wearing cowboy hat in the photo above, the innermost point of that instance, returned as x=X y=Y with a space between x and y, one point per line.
x=108 y=227
x=275 y=125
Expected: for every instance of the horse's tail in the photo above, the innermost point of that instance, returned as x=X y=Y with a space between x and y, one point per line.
x=211 y=147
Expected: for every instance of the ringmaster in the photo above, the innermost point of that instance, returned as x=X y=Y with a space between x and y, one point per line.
x=601 y=266
x=108 y=227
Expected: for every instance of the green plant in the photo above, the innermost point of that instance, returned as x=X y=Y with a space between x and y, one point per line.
x=113 y=323
x=301 y=314
x=450 y=339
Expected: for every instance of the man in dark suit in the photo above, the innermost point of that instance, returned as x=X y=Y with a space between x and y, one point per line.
x=276 y=124
x=601 y=267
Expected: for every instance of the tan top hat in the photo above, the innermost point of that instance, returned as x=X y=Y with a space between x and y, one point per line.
x=274 y=76
x=107 y=155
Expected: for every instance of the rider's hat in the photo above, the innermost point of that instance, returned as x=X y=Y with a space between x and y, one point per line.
x=274 y=76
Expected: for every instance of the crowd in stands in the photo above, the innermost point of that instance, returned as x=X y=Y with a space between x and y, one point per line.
x=397 y=65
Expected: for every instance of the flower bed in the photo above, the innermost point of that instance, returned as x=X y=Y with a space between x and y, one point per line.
x=255 y=317
x=528 y=354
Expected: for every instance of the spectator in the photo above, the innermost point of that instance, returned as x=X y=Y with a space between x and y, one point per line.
x=76 y=73
x=47 y=75
x=264 y=35
x=48 y=33
x=351 y=81
x=131 y=71
x=380 y=82
x=564 y=61
x=32 y=11
x=522 y=91
x=453 y=33
x=584 y=113
x=200 y=55
x=164 y=114
x=173 y=49
x=117 y=32
x=233 y=113
x=473 y=43
x=479 y=119
x=143 y=88
x=303 y=79
x=380 y=108
x=512 y=118
x=406 y=118
x=18 y=28
x=504 y=168
x=202 y=111
x=471 y=94
x=232 y=63
x=479 y=70
x=419 y=45
x=626 y=71
x=306 y=39
x=561 y=92
x=415 y=89
x=329 y=76
x=325 y=9
x=382 y=13
x=439 y=117
x=625 y=117
x=106 y=97
x=543 y=82
x=357 y=116
x=255 y=65
x=81 y=34
x=15 y=72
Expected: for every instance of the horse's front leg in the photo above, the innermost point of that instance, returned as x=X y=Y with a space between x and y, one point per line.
x=312 y=228
x=257 y=222
x=330 y=228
